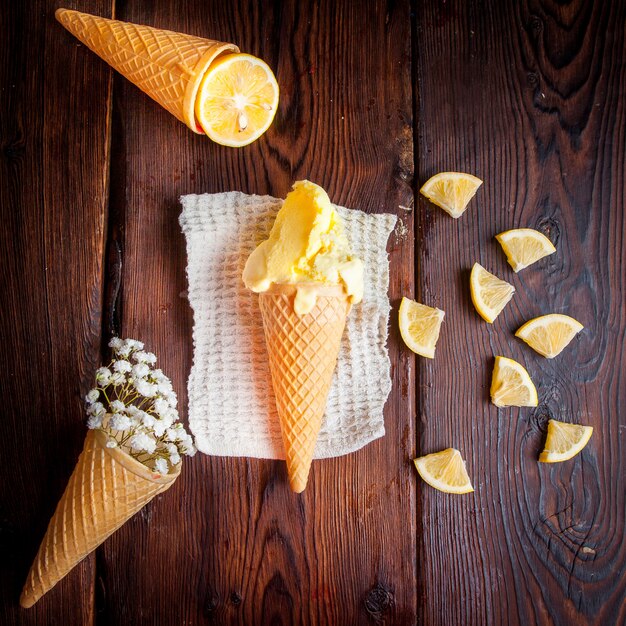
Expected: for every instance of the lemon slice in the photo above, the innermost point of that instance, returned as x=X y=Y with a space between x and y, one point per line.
x=237 y=100
x=564 y=441
x=445 y=471
x=524 y=246
x=549 y=334
x=451 y=191
x=511 y=385
x=420 y=326
x=490 y=294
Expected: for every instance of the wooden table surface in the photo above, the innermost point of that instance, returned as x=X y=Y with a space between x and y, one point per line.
x=376 y=97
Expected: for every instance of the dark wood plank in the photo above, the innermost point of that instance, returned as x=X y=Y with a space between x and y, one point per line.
x=230 y=543
x=530 y=97
x=53 y=187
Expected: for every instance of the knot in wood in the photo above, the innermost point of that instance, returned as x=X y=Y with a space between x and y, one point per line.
x=536 y=25
x=15 y=149
x=550 y=228
x=532 y=78
x=235 y=598
x=378 y=601
x=210 y=604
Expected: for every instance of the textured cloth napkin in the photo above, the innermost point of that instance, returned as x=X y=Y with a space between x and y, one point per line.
x=231 y=402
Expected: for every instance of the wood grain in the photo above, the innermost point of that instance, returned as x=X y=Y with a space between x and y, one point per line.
x=230 y=543
x=53 y=187
x=530 y=97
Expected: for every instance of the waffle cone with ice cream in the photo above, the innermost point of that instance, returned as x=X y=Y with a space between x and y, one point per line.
x=204 y=83
x=307 y=280
x=107 y=487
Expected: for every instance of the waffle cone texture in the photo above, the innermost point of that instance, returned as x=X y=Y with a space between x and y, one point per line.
x=106 y=488
x=166 y=65
x=302 y=353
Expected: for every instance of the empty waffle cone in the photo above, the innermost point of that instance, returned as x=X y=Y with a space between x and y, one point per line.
x=166 y=65
x=106 y=488
x=302 y=354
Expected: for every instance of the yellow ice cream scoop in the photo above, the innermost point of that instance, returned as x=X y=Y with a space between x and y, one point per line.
x=307 y=247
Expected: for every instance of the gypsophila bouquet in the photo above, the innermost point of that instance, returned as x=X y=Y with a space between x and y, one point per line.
x=135 y=406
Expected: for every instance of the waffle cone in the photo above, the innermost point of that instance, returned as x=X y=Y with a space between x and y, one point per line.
x=302 y=354
x=106 y=488
x=166 y=65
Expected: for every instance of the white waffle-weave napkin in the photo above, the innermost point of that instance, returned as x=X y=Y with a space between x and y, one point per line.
x=231 y=402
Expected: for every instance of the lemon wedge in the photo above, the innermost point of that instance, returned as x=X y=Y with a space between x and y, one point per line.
x=549 y=334
x=490 y=294
x=445 y=471
x=564 y=441
x=237 y=100
x=511 y=384
x=420 y=326
x=524 y=246
x=451 y=191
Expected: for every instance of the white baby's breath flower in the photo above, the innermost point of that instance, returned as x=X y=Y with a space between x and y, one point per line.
x=188 y=446
x=103 y=376
x=170 y=417
x=141 y=370
x=147 y=420
x=152 y=433
x=124 y=350
x=169 y=395
x=142 y=442
x=122 y=366
x=158 y=375
x=94 y=421
x=145 y=357
x=92 y=396
x=118 y=379
x=115 y=343
x=97 y=408
x=128 y=346
x=191 y=451
x=161 y=406
x=165 y=386
x=175 y=434
x=144 y=388
x=120 y=422
x=160 y=466
x=159 y=427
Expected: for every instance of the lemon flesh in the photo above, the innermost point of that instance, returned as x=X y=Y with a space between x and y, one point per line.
x=420 y=326
x=237 y=100
x=451 y=191
x=489 y=293
x=524 y=246
x=549 y=334
x=511 y=384
x=445 y=471
x=564 y=441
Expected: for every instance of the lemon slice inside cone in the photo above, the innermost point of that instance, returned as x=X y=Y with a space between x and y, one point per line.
x=237 y=100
